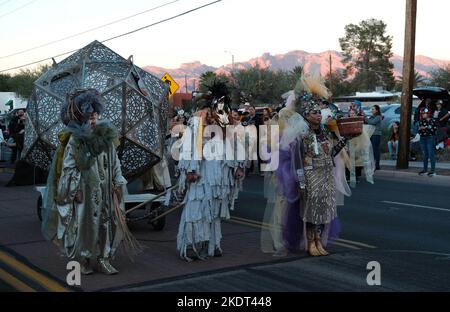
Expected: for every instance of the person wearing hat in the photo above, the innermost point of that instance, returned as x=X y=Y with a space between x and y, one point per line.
x=427 y=131
x=83 y=208
x=357 y=105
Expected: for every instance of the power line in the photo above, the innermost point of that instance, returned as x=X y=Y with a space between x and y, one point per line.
x=86 y=31
x=23 y=6
x=115 y=37
x=5 y=2
x=162 y=21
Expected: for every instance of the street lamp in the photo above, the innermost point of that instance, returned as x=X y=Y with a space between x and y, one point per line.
x=232 y=59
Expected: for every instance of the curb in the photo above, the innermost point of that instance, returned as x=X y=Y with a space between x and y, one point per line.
x=6 y=170
x=413 y=177
x=416 y=164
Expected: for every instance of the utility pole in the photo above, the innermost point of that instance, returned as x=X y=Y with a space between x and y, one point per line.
x=408 y=83
x=232 y=59
x=185 y=83
x=331 y=80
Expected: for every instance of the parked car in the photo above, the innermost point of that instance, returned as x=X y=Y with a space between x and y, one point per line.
x=434 y=93
x=390 y=112
x=367 y=110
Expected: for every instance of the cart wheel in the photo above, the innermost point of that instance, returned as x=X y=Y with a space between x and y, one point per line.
x=159 y=224
x=39 y=208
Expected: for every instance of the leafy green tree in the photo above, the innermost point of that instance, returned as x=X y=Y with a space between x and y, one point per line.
x=339 y=85
x=260 y=85
x=367 y=50
x=204 y=78
x=22 y=82
x=4 y=82
x=294 y=75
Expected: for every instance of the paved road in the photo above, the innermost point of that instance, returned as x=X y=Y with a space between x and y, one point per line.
x=393 y=213
x=402 y=223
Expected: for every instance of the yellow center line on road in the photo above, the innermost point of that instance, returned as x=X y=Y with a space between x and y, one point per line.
x=252 y=224
x=355 y=243
x=14 y=282
x=251 y=221
x=32 y=274
x=343 y=245
x=340 y=241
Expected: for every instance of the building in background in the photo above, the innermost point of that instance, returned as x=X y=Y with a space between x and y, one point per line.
x=10 y=101
x=180 y=100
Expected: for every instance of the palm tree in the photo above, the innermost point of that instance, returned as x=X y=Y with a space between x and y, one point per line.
x=419 y=80
x=297 y=71
x=295 y=74
x=207 y=76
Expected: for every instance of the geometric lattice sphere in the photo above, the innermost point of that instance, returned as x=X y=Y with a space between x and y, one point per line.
x=136 y=103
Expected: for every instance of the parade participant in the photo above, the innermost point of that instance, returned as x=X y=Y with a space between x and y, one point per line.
x=310 y=179
x=83 y=209
x=210 y=180
x=360 y=156
x=282 y=211
x=320 y=174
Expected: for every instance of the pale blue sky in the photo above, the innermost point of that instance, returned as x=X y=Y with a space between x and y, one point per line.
x=247 y=28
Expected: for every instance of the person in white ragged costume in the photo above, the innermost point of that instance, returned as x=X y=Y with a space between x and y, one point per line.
x=210 y=179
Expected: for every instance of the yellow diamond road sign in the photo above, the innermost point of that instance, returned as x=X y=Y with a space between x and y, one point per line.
x=172 y=83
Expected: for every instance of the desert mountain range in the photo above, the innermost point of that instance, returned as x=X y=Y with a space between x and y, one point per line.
x=312 y=62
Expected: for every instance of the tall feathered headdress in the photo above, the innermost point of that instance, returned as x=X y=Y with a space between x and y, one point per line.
x=310 y=91
x=215 y=94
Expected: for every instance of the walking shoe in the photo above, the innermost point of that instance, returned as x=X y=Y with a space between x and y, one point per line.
x=280 y=253
x=105 y=267
x=218 y=252
x=86 y=268
x=191 y=254
x=423 y=172
x=431 y=174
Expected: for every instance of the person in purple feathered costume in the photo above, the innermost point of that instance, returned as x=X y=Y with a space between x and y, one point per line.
x=309 y=180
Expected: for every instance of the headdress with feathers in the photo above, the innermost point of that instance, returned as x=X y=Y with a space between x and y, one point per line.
x=214 y=93
x=309 y=92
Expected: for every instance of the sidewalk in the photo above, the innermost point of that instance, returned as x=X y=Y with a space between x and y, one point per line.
x=389 y=171
x=6 y=167
x=415 y=164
